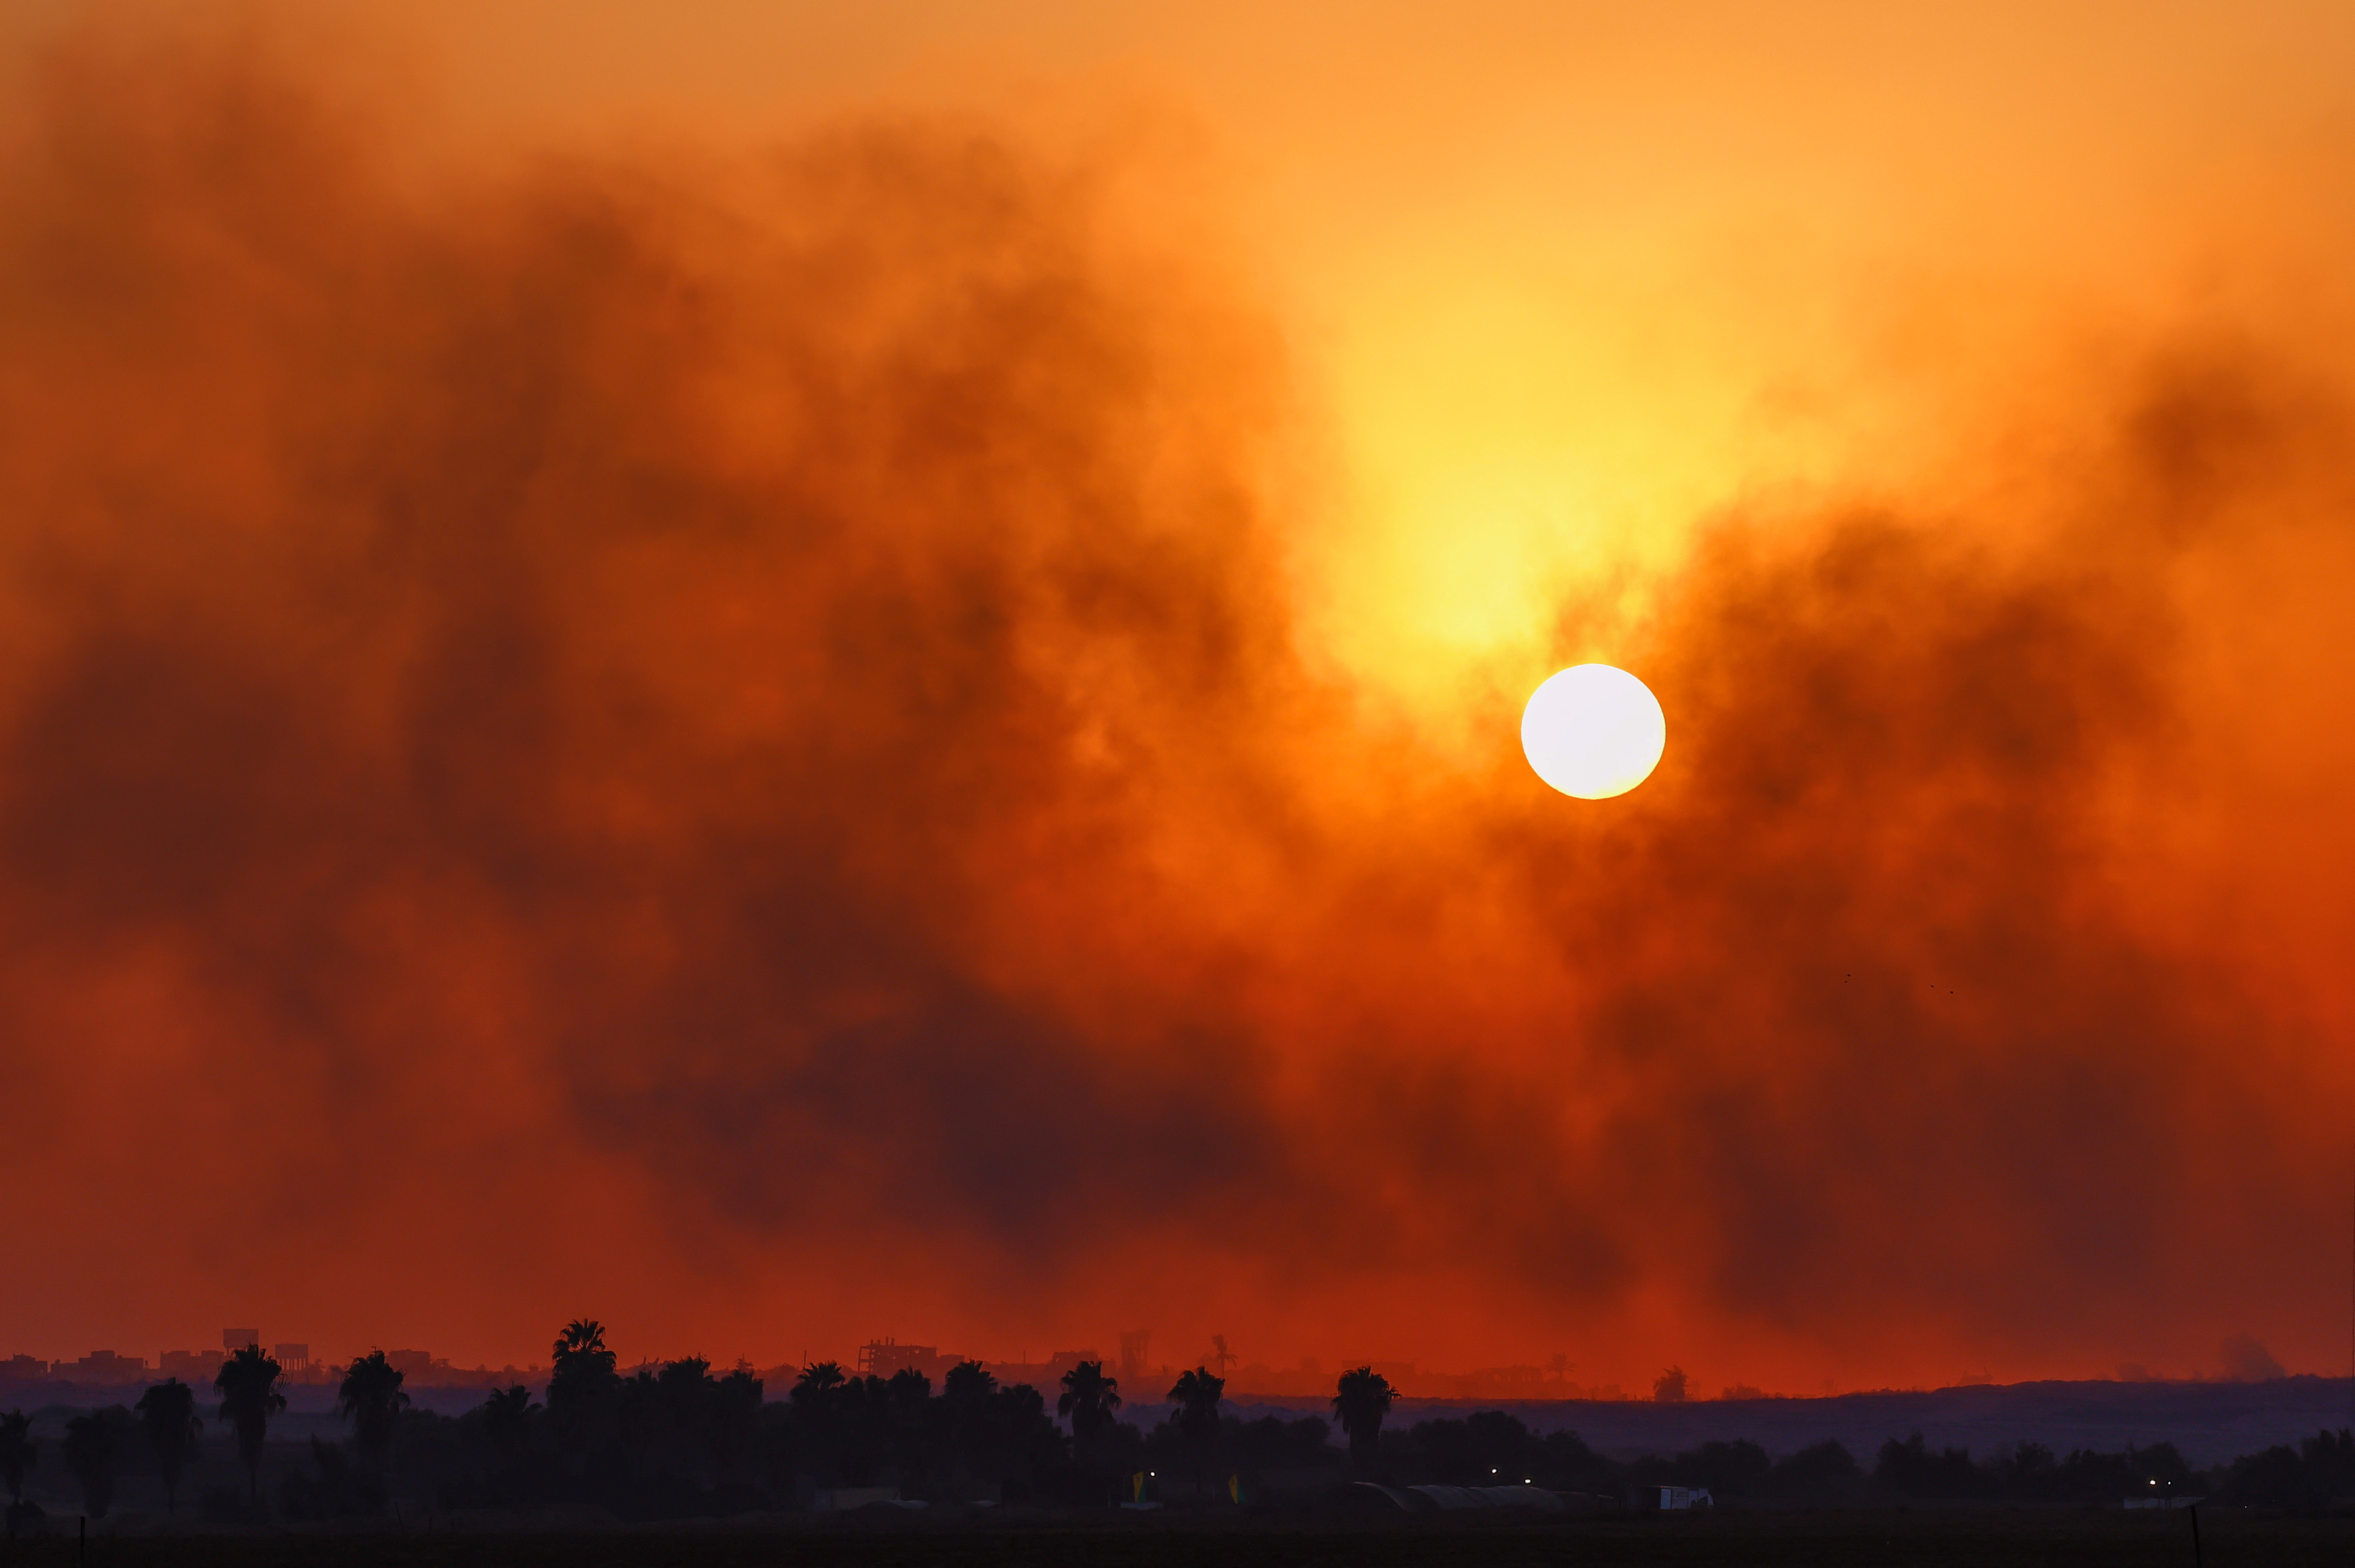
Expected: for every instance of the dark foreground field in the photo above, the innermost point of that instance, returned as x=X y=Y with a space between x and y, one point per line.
x=1896 y=1537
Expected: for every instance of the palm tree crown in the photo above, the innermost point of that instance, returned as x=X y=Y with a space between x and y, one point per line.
x=1196 y=1396
x=579 y=1349
x=815 y=1386
x=968 y=1384
x=1089 y=1398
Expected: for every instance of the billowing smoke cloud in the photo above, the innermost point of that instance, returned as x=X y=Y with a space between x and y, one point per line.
x=726 y=743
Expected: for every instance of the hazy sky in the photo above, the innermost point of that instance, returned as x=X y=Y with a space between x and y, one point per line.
x=784 y=673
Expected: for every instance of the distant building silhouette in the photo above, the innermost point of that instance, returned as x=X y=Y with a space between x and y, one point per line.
x=883 y=1357
x=105 y=1366
x=22 y=1367
x=192 y=1366
x=293 y=1358
x=236 y=1340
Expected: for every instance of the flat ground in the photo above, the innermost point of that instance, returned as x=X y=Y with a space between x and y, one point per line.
x=1934 y=1539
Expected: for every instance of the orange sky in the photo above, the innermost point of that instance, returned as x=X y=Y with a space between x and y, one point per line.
x=782 y=678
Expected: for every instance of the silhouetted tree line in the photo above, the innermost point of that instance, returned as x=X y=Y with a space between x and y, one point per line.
x=2311 y=1476
x=677 y=1440
x=1491 y=1446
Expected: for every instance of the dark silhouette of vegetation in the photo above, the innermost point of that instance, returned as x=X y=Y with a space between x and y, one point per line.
x=1735 y=1469
x=1671 y=1387
x=1821 y=1472
x=1298 y=1449
x=19 y=1452
x=1487 y=1448
x=1362 y=1402
x=967 y=1382
x=1001 y=1440
x=167 y=1414
x=968 y=1397
x=734 y=1418
x=370 y=1397
x=1088 y=1399
x=1912 y=1469
x=335 y=1489
x=1195 y=1396
x=582 y=1385
x=2320 y=1471
x=247 y=1384
x=2029 y=1472
x=506 y=1419
x=90 y=1450
x=818 y=1381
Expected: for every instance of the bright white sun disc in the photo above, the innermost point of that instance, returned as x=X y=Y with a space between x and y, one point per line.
x=1593 y=731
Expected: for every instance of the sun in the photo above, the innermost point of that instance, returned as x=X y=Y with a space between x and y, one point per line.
x=1593 y=731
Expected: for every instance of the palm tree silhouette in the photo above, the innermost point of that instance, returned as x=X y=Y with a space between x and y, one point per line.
x=581 y=1382
x=1088 y=1399
x=18 y=1453
x=582 y=1348
x=88 y=1451
x=1197 y=1395
x=371 y=1398
x=1362 y=1399
x=967 y=1391
x=817 y=1384
x=968 y=1384
x=247 y=1384
x=167 y=1411
x=506 y=1419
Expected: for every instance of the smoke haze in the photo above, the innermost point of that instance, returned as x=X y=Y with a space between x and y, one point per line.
x=752 y=742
